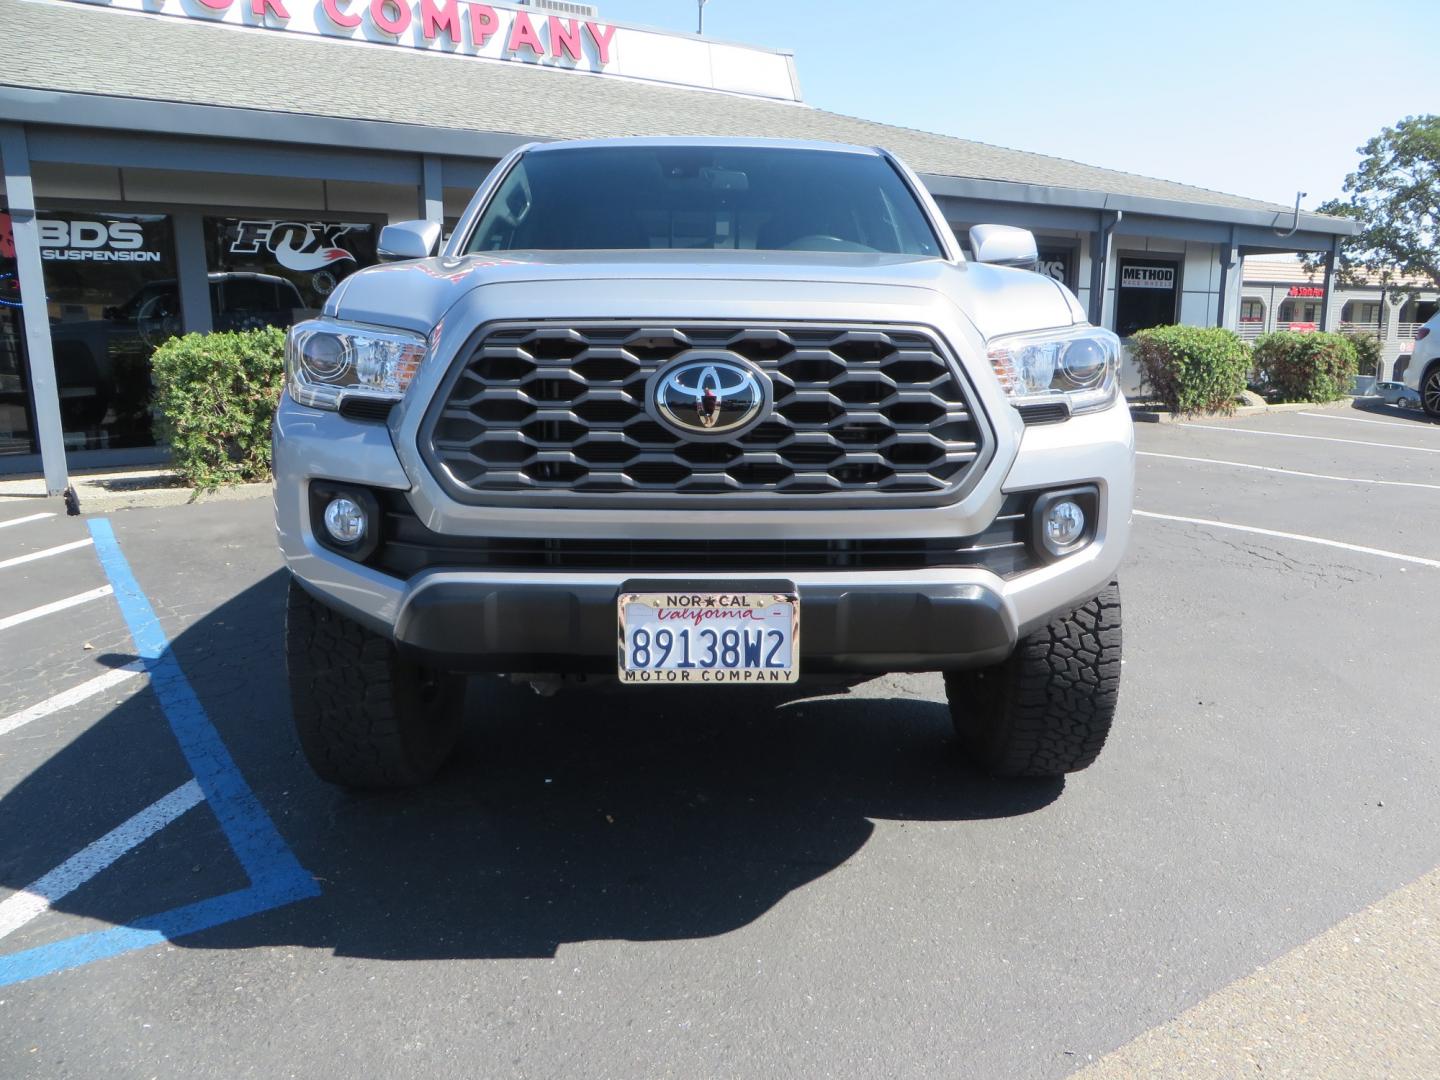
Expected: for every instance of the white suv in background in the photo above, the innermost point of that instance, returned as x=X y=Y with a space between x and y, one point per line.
x=1422 y=374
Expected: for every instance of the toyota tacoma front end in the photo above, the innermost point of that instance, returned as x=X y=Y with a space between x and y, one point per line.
x=698 y=412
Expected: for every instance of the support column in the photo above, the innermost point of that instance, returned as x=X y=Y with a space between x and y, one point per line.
x=195 y=311
x=1099 y=256
x=1100 y=242
x=44 y=390
x=432 y=190
x=1328 y=283
x=1391 y=347
x=1229 y=257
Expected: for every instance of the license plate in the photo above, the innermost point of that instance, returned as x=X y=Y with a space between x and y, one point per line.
x=710 y=637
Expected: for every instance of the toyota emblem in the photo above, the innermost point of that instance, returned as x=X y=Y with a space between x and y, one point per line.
x=709 y=396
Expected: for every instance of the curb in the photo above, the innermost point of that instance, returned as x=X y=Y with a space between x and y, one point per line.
x=101 y=492
x=1155 y=416
x=96 y=500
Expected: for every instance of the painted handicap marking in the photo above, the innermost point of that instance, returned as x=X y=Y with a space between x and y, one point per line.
x=276 y=876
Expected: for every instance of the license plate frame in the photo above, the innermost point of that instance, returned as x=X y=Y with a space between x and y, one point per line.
x=772 y=609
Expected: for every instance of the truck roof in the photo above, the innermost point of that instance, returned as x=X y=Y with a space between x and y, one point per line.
x=704 y=140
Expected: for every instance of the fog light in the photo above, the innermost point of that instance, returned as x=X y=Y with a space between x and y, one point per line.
x=345 y=520
x=1064 y=524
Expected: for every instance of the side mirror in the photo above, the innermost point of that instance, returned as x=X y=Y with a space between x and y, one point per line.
x=408 y=240
x=1004 y=245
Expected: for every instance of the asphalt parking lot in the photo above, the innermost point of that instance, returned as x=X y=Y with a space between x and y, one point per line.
x=664 y=883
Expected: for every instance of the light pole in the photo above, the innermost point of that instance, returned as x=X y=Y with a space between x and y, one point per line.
x=700 y=29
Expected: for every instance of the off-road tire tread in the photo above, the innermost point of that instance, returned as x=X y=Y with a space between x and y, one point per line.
x=348 y=692
x=1047 y=710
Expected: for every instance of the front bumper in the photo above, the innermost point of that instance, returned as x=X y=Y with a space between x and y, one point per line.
x=455 y=621
x=862 y=621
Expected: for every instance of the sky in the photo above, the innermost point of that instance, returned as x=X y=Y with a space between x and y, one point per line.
x=1258 y=98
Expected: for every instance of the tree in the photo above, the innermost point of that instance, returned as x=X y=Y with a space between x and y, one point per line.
x=1395 y=196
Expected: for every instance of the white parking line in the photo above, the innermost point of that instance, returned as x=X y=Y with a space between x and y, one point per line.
x=73 y=696
x=35 y=899
x=57 y=550
x=23 y=520
x=1315 y=438
x=1289 y=472
x=58 y=605
x=1294 y=536
x=1363 y=420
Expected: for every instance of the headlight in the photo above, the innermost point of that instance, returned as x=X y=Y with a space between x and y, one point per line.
x=327 y=360
x=1081 y=365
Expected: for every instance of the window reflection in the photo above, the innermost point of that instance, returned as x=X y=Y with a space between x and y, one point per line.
x=276 y=271
x=111 y=297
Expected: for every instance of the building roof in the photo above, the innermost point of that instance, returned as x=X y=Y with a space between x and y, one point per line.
x=1284 y=271
x=1281 y=271
x=80 y=49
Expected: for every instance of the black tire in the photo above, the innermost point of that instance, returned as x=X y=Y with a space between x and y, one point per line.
x=1047 y=709
x=1430 y=392
x=366 y=717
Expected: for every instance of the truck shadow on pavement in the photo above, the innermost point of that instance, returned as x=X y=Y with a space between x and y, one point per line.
x=639 y=815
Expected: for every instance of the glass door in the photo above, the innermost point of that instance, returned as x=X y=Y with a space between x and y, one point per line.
x=1147 y=293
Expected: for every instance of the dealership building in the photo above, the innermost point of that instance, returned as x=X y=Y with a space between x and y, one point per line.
x=189 y=165
x=1283 y=294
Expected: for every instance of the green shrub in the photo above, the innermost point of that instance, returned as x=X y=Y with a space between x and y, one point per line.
x=1367 y=353
x=1193 y=368
x=1305 y=367
x=216 y=395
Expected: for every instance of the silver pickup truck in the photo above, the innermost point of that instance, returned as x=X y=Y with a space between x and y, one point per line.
x=701 y=413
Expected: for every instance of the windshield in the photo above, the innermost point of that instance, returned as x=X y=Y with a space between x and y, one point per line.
x=699 y=197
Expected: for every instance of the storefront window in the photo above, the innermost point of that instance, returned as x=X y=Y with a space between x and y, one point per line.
x=273 y=271
x=16 y=423
x=1418 y=311
x=111 y=295
x=1299 y=313
x=1147 y=294
x=1058 y=262
x=1360 y=311
x=1252 y=310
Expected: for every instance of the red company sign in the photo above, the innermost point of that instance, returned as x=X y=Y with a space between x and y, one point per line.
x=451 y=26
x=480 y=22
x=499 y=30
x=1306 y=290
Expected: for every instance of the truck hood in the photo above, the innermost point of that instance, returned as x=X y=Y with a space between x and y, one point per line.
x=416 y=295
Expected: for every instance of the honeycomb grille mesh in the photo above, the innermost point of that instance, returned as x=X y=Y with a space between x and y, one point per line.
x=562 y=408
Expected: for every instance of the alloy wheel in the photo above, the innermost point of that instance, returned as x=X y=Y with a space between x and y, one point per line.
x=1430 y=392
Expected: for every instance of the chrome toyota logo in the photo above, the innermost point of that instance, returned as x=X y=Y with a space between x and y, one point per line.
x=709 y=396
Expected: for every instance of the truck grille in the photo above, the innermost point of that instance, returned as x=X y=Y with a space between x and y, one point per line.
x=558 y=411
x=408 y=548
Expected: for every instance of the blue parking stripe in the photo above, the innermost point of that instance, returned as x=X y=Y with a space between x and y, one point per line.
x=246 y=825
x=276 y=876
x=153 y=929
